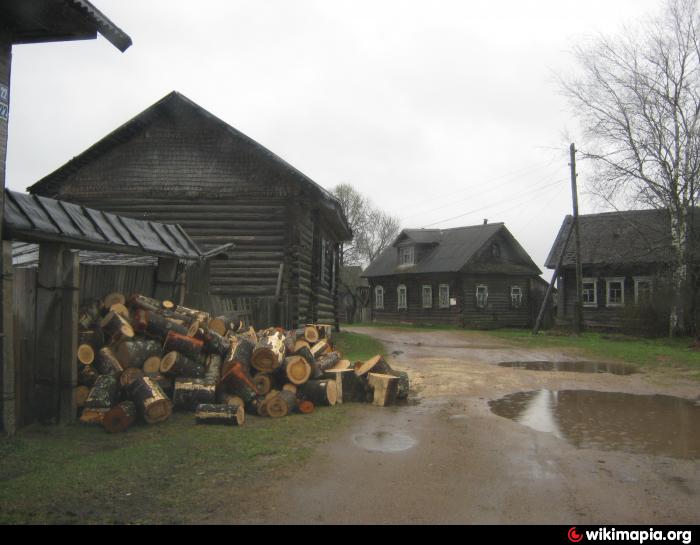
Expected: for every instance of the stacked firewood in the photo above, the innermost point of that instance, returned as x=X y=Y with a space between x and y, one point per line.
x=141 y=358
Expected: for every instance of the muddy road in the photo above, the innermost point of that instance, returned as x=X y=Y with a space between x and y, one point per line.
x=564 y=448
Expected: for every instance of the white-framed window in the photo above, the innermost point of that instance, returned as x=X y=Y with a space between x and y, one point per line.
x=427 y=296
x=615 y=292
x=590 y=292
x=444 y=296
x=402 y=296
x=516 y=296
x=643 y=288
x=406 y=256
x=482 y=295
x=379 y=297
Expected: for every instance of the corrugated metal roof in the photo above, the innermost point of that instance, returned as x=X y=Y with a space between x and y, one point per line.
x=31 y=218
x=115 y=35
x=26 y=254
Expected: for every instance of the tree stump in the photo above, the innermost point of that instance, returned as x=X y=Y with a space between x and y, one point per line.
x=103 y=394
x=86 y=354
x=93 y=417
x=311 y=334
x=167 y=384
x=304 y=406
x=106 y=362
x=327 y=361
x=155 y=325
x=208 y=413
x=351 y=388
x=385 y=388
x=175 y=364
x=116 y=327
x=133 y=353
x=130 y=375
x=320 y=392
x=320 y=348
x=375 y=364
x=269 y=352
x=290 y=388
x=263 y=383
x=403 y=386
x=80 y=395
x=190 y=392
x=213 y=372
x=119 y=417
x=150 y=400
x=189 y=346
x=151 y=366
x=295 y=369
x=113 y=299
x=87 y=375
x=281 y=404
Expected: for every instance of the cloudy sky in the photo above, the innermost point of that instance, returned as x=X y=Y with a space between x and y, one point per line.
x=443 y=112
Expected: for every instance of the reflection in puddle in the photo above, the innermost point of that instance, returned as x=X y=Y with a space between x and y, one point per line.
x=573 y=366
x=649 y=424
x=384 y=441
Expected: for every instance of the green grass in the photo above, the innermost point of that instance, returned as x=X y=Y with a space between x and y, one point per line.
x=174 y=472
x=649 y=353
x=355 y=346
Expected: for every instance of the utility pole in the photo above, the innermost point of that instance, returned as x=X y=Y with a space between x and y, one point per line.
x=578 y=303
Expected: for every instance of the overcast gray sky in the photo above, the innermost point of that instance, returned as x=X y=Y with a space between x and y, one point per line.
x=444 y=112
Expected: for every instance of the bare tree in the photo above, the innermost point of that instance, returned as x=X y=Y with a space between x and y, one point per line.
x=638 y=99
x=373 y=229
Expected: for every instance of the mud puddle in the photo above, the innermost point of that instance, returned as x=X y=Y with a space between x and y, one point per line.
x=384 y=441
x=572 y=366
x=647 y=424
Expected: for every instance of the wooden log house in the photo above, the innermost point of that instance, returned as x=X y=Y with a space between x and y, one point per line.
x=476 y=276
x=626 y=259
x=176 y=162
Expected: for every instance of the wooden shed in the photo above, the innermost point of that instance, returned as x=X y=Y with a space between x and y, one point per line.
x=176 y=162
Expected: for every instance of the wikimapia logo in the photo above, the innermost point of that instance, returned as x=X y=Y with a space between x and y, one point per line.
x=637 y=536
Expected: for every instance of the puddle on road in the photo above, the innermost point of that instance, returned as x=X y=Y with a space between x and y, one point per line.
x=573 y=366
x=647 y=424
x=384 y=441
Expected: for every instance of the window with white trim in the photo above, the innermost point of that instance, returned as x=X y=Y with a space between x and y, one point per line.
x=642 y=290
x=379 y=297
x=590 y=292
x=402 y=296
x=444 y=296
x=615 y=292
x=406 y=256
x=427 y=296
x=516 y=296
x=482 y=295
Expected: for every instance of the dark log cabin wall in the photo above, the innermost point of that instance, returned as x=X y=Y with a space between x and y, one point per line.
x=177 y=163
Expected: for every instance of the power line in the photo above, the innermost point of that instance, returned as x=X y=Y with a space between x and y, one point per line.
x=523 y=171
x=531 y=193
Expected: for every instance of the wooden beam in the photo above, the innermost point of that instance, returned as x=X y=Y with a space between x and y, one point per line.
x=166 y=278
x=68 y=372
x=9 y=374
x=48 y=332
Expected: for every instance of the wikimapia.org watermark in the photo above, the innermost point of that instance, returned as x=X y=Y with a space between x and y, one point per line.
x=638 y=536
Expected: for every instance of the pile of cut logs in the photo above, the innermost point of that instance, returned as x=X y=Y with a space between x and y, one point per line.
x=140 y=358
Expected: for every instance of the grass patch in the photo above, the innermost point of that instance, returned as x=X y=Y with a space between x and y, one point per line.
x=356 y=346
x=651 y=353
x=175 y=472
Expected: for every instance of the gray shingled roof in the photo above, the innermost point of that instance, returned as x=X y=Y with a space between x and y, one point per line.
x=254 y=161
x=632 y=236
x=452 y=250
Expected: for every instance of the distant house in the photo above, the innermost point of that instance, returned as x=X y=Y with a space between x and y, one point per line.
x=626 y=260
x=176 y=162
x=477 y=276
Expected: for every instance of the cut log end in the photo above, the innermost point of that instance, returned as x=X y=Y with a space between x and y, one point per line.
x=86 y=354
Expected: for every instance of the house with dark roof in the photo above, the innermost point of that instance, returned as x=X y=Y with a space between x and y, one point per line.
x=626 y=259
x=177 y=163
x=476 y=276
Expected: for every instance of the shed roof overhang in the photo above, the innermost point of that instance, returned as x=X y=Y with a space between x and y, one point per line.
x=30 y=218
x=37 y=21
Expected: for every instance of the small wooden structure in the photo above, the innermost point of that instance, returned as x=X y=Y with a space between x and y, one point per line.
x=477 y=276
x=42 y=388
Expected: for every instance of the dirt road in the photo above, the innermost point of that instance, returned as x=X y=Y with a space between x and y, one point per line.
x=447 y=458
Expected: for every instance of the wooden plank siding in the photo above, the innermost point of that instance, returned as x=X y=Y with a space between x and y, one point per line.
x=499 y=310
x=416 y=313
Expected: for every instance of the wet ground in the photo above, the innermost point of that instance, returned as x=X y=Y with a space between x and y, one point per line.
x=482 y=443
